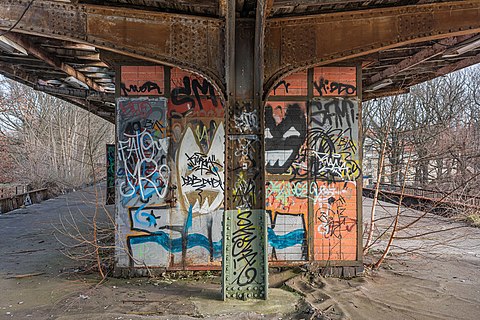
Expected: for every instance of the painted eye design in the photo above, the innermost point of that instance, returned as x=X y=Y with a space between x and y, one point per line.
x=292 y=132
x=268 y=135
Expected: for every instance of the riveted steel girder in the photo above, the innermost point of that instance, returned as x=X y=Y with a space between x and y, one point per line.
x=53 y=61
x=194 y=43
x=301 y=42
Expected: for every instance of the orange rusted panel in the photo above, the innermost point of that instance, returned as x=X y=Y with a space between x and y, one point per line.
x=293 y=85
x=335 y=221
x=191 y=93
x=142 y=81
x=334 y=81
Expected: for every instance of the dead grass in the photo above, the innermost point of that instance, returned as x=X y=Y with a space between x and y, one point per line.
x=474 y=220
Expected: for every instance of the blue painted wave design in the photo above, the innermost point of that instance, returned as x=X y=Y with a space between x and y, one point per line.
x=199 y=240
x=286 y=240
x=175 y=245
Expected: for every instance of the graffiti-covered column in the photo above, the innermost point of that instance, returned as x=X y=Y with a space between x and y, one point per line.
x=245 y=240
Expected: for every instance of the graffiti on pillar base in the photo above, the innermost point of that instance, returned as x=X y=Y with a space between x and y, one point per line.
x=245 y=170
x=245 y=259
x=336 y=112
x=170 y=179
x=327 y=87
x=332 y=154
x=246 y=118
x=311 y=172
x=335 y=223
x=287 y=206
x=331 y=141
x=201 y=175
x=191 y=93
x=243 y=253
x=245 y=235
x=147 y=87
x=142 y=150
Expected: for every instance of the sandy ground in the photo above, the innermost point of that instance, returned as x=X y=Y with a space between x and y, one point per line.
x=435 y=275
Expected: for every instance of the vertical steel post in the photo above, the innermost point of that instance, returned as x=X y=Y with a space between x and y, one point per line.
x=245 y=265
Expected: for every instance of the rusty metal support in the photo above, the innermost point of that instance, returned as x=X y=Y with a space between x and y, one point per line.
x=384 y=93
x=458 y=65
x=53 y=61
x=76 y=93
x=194 y=43
x=245 y=266
x=300 y=42
x=18 y=74
x=419 y=57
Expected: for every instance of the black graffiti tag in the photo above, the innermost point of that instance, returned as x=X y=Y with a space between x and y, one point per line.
x=148 y=86
x=183 y=95
x=244 y=193
x=325 y=87
x=331 y=155
x=243 y=253
x=283 y=140
x=338 y=112
x=208 y=170
x=284 y=83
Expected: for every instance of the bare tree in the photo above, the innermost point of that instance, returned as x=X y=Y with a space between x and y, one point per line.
x=48 y=139
x=435 y=130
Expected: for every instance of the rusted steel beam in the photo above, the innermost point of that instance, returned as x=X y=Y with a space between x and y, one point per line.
x=16 y=73
x=458 y=65
x=76 y=93
x=20 y=75
x=419 y=57
x=384 y=93
x=300 y=42
x=193 y=43
x=53 y=61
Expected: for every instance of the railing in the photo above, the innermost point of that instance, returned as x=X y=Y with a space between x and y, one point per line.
x=10 y=190
x=23 y=199
x=433 y=201
x=444 y=196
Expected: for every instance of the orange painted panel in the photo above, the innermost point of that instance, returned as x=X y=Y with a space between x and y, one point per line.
x=334 y=81
x=192 y=93
x=335 y=222
x=142 y=81
x=285 y=136
x=293 y=85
